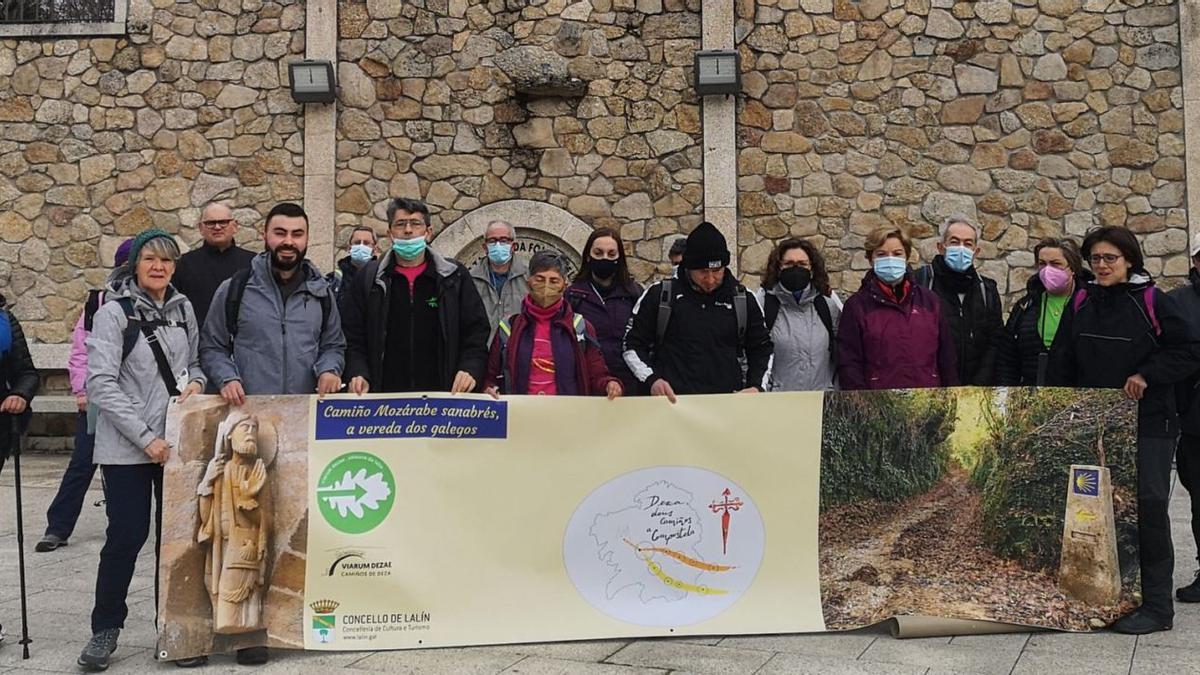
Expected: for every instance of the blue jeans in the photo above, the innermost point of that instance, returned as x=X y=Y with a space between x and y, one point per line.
x=64 y=510
x=128 y=491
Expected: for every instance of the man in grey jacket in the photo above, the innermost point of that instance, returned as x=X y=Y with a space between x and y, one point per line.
x=285 y=334
x=501 y=278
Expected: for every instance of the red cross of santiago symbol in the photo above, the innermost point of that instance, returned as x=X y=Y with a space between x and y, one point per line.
x=724 y=507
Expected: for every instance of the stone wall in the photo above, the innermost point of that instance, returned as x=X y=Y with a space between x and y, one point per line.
x=587 y=106
x=101 y=138
x=1038 y=117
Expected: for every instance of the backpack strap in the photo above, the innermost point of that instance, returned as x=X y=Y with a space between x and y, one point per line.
x=1078 y=298
x=923 y=276
x=739 y=309
x=233 y=301
x=133 y=327
x=581 y=334
x=821 y=304
x=1148 y=300
x=504 y=332
x=770 y=309
x=95 y=298
x=665 y=298
x=5 y=333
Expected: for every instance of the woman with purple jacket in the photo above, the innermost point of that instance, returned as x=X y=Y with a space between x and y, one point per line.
x=892 y=334
x=604 y=293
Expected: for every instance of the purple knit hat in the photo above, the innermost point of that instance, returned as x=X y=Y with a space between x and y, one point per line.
x=122 y=254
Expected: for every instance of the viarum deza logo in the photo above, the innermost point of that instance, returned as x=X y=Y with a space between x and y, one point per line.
x=355 y=492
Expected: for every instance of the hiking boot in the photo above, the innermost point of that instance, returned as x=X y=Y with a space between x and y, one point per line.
x=194 y=662
x=252 y=656
x=1140 y=622
x=50 y=542
x=1191 y=592
x=99 y=649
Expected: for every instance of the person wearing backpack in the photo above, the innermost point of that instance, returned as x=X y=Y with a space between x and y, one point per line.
x=68 y=501
x=892 y=333
x=546 y=348
x=141 y=353
x=1187 y=453
x=970 y=301
x=1120 y=332
x=604 y=294
x=689 y=333
x=275 y=329
x=1023 y=349
x=801 y=312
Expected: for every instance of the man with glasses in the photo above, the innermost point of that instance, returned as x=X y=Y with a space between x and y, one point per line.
x=199 y=272
x=413 y=320
x=501 y=278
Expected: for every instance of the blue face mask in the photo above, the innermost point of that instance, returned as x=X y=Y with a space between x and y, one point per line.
x=409 y=249
x=499 y=253
x=361 y=253
x=959 y=258
x=890 y=269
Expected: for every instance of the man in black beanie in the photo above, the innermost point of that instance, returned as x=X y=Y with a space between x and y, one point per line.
x=689 y=333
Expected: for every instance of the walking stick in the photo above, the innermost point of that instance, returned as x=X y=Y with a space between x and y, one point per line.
x=16 y=458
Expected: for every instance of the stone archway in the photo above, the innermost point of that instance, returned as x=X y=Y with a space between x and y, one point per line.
x=539 y=226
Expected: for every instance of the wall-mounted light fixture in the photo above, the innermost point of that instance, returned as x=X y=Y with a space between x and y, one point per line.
x=718 y=71
x=312 y=81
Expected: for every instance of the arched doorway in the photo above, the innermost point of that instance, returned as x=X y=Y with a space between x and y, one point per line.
x=539 y=226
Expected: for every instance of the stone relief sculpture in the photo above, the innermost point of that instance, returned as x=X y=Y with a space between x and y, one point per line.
x=235 y=506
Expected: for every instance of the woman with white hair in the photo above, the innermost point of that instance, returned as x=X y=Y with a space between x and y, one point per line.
x=142 y=352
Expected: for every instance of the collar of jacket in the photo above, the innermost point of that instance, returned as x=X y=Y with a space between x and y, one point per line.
x=121 y=284
x=213 y=250
x=481 y=271
x=314 y=283
x=871 y=285
x=441 y=266
x=585 y=289
x=1138 y=281
x=785 y=296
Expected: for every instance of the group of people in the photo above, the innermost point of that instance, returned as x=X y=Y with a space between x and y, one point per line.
x=405 y=318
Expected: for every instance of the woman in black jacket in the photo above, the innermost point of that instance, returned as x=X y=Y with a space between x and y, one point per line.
x=1023 y=350
x=18 y=378
x=1120 y=332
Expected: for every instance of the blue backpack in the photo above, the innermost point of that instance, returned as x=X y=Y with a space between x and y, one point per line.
x=5 y=333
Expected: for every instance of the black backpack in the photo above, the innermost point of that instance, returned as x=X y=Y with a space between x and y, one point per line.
x=233 y=302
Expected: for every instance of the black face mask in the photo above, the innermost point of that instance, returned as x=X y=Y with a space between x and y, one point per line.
x=603 y=268
x=795 y=279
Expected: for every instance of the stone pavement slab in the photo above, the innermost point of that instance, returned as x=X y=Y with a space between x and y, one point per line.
x=61 y=583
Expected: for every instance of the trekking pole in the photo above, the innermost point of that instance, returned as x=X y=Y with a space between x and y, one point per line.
x=16 y=457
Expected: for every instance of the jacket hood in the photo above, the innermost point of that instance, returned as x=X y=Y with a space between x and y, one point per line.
x=785 y=296
x=121 y=284
x=444 y=267
x=1138 y=281
x=313 y=281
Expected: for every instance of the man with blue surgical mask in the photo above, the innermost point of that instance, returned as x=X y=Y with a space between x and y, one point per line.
x=413 y=320
x=500 y=276
x=362 y=251
x=971 y=301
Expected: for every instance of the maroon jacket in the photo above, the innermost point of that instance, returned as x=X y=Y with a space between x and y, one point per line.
x=588 y=377
x=885 y=344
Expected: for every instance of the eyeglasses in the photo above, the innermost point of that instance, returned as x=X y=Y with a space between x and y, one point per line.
x=1106 y=258
x=498 y=240
x=217 y=224
x=409 y=224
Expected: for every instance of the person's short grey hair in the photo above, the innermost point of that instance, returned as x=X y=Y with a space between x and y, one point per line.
x=163 y=247
x=958 y=219
x=512 y=231
x=547 y=260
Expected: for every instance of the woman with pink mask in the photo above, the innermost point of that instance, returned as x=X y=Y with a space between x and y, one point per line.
x=1023 y=352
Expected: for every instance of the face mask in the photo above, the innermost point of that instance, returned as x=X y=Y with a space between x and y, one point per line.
x=890 y=269
x=409 y=249
x=499 y=254
x=603 y=268
x=959 y=258
x=1055 y=280
x=544 y=295
x=361 y=253
x=795 y=279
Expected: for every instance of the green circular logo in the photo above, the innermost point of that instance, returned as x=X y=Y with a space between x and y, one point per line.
x=355 y=492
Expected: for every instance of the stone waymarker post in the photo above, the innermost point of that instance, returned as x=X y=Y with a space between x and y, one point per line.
x=1089 y=570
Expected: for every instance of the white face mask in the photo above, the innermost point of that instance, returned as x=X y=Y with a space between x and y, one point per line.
x=361 y=253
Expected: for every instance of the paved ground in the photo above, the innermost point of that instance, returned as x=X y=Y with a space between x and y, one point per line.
x=61 y=592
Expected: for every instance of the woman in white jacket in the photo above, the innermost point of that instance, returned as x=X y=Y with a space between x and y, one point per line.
x=802 y=314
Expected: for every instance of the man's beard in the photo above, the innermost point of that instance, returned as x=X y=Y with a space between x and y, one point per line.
x=287 y=266
x=245 y=449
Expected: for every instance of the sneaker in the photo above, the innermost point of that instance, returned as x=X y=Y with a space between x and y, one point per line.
x=50 y=542
x=1191 y=592
x=99 y=649
x=194 y=662
x=252 y=656
x=1140 y=622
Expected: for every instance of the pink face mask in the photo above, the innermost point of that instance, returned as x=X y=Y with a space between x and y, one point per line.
x=1055 y=280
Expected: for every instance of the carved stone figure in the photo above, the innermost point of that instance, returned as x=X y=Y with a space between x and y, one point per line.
x=235 y=505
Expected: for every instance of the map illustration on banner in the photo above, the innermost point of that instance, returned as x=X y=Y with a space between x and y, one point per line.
x=664 y=546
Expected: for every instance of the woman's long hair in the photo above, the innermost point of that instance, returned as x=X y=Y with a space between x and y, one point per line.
x=622 y=277
x=820 y=276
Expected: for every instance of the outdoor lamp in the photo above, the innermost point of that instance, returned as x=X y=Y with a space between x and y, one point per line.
x=312 y=81
x=718 y=71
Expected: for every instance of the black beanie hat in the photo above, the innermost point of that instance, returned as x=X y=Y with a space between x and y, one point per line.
x=706 y=248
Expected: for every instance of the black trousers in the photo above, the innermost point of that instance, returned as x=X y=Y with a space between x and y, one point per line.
x=1155 y=550
x=128 y=491
x=64 y=510
x=1187 y=462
